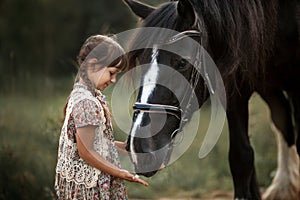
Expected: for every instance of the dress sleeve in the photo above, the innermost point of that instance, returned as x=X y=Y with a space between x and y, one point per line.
x=86 y=112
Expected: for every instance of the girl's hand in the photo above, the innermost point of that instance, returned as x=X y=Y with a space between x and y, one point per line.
x=121 y=147
x=124 y=174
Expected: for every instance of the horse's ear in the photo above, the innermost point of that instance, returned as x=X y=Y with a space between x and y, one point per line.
x=140 y=9
x=186 y=11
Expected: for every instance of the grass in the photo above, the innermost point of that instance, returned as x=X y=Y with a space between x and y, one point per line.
x=30 y=122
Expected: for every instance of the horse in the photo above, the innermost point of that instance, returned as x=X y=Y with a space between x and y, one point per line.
x=255 y=45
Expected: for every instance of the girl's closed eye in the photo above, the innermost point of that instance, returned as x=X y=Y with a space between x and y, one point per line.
x=113 y=72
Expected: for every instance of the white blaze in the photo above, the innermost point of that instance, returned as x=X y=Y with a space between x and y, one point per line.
x=150 y=78
x=149 y=83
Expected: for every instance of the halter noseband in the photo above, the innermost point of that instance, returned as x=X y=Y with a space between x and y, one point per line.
x=158 y=108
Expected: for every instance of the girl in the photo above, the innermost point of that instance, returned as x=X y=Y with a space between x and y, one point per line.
x=88 y=166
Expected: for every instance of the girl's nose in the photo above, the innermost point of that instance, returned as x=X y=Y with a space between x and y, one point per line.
x=113 y=79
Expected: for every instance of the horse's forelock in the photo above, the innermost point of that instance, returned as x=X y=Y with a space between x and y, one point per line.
x=163 y=17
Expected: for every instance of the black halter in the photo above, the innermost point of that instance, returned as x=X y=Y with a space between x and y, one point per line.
x=174 y=110
x=158 y=108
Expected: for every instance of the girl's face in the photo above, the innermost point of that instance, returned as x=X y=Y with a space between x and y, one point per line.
x=104 y=77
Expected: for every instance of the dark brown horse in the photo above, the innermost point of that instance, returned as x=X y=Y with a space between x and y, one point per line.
x=255 y=45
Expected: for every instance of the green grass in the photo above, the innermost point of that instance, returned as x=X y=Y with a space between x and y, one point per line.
x=30 y=122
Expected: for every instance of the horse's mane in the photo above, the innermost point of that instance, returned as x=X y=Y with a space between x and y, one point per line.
x=239 y=34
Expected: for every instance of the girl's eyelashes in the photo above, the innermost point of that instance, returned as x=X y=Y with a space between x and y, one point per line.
x=113 y=72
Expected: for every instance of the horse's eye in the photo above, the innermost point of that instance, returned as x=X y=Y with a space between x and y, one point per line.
x=181 y=64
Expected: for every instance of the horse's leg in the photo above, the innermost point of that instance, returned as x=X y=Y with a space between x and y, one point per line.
x=285 y=182
x=241 y=154
x=295 y=100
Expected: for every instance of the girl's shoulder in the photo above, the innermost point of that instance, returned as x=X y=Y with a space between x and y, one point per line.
x=80 y=93
x=85 y=108
x=86 y=112
x=81 y=99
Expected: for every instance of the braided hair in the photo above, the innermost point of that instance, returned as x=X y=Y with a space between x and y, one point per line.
x=107 y=52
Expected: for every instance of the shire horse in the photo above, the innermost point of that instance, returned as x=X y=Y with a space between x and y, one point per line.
x=255 y=45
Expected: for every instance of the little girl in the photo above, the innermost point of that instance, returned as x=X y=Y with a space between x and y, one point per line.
x=88 y=166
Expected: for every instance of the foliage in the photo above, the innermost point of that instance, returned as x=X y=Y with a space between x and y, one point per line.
x=44 y=36
x=30 y=124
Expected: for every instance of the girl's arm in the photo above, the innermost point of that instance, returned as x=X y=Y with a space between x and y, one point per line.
x=85 y=140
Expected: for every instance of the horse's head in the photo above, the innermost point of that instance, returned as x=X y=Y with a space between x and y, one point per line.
x=166 y=99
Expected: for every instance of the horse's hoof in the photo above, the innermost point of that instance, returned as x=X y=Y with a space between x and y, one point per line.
x=281 y=192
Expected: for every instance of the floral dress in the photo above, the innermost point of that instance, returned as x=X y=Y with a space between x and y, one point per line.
x=75 y=179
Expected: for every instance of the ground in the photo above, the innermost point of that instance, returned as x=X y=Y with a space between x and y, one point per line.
x=216 y=195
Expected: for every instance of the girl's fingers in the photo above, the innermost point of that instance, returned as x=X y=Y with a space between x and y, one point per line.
x=133 y=178
x=138 y=180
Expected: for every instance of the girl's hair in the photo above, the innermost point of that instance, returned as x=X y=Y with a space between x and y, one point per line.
x=108 y=54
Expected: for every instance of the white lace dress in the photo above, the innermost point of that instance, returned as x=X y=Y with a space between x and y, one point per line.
x=75 y=179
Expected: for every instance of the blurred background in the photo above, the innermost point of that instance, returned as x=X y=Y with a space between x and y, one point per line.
x=39 y=42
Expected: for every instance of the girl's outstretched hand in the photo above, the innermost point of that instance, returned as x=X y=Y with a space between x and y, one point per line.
x=124 y=174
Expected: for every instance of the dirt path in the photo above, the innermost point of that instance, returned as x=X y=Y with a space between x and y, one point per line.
x=217 y=195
